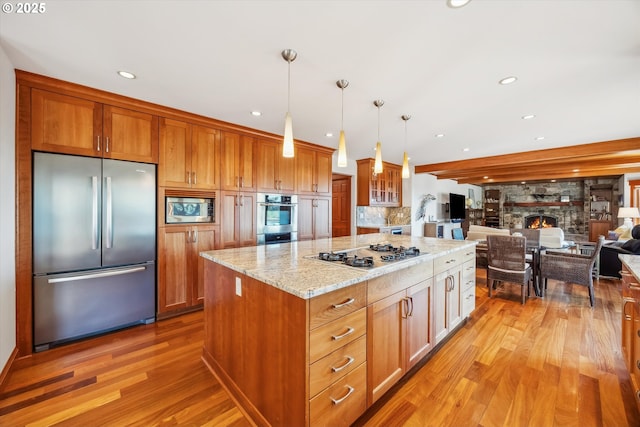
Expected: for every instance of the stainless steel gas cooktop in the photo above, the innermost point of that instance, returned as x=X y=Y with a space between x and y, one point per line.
x=369 y=257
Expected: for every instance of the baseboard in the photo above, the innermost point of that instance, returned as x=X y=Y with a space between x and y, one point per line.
x=5 y=371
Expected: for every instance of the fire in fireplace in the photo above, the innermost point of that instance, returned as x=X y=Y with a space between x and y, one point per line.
x=540 y=221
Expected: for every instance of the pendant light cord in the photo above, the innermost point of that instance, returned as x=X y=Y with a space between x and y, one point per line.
x=342 y=113
x=378 y=124
x=289 y=87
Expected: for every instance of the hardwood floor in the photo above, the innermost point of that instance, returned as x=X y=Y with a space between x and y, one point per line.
x=553 y=361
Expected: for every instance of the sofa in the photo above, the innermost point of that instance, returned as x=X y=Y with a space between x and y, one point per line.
x=479 y=232
x=610 y=264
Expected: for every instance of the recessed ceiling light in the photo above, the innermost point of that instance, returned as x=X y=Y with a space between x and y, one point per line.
x=440 y=135
x=455 y=4
x=576 y=170
x=466 y=149
x=485 y=177
x=528 y=117
x=126 y=75
x=328 y=134
x=539 y=138
x=256 y=113
x=508 y=80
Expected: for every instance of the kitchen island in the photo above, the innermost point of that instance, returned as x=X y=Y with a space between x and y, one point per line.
x=297 y=340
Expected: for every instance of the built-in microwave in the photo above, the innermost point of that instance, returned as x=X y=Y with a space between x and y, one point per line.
x=189 y=210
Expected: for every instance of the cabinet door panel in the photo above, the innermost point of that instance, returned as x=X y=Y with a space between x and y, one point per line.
x=266 y=161
x=174 y=275
x=175 y=153
x=229 y=161
x=305 y=170
x=286 y=173
x=228 y=220
x=245 y=165
x=204 y=241
x=247 y=219
x=205 y=152
x=322 y=218
x=323 y=173
x=386 y=347
x=419 y=328
x=305 y=218
x=65 y=124
x=130 y=135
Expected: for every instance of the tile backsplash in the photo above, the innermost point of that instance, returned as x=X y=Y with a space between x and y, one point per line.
x=367 y=216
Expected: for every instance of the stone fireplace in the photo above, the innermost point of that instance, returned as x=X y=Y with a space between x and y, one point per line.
x=540 y=221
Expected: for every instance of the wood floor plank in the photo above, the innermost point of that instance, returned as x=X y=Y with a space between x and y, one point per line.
x=553 y=361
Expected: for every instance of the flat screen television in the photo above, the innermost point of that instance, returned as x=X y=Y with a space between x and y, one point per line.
x=456 y=207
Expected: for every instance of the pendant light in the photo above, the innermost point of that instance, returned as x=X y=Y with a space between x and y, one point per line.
x=377 y=165
x=289 y=55
x=342 y=145
x=405 y=160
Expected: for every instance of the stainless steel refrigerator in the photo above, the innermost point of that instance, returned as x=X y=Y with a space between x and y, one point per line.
x=94 y=242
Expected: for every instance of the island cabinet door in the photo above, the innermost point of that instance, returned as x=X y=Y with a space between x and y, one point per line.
x=386 y=346
x=419 y=322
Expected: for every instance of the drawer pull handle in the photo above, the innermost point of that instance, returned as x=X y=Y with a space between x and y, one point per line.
x=347 y=302
x=336 y=401
x=339 y=337
x=450 y=261
x=347 y=363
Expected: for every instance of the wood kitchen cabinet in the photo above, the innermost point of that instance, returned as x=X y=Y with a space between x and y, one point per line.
x=399 y=326
x=274 y=173
x=447 y=308
x=237 y=219
x=383 y=189
x=314 y=217
x=313 y=171
x=71 y=125
x=180 y=268
x=189 y=155
x=237 y=170
x=631 y=328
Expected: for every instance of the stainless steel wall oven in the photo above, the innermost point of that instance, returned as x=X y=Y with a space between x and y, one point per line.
x=277 y=217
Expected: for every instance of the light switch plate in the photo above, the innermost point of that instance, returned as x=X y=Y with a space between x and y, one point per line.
x=238 y=286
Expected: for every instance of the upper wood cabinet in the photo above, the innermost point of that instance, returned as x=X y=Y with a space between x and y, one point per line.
x=383 y=189
x=236 y=162
x=189 y=155
x=274 y=172
x=71 y=125
x=313 y=171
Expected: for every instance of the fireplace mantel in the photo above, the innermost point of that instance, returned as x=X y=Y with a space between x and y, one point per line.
x=536 y=204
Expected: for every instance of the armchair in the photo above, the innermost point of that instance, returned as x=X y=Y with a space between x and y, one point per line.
x=506 y=262
x=570 y=268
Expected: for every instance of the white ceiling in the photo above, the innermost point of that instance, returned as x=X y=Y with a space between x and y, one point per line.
x=577 y=63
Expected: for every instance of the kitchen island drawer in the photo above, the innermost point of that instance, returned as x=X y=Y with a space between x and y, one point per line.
x=343 y=402
x=447 y=261
x=337 y=364
x=468 y=301
x=330 y=306
x=335 y=334
x=469 y=254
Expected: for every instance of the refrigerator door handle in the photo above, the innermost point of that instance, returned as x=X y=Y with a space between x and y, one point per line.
x=97 y=275
x=109 y=213
x=94 y=213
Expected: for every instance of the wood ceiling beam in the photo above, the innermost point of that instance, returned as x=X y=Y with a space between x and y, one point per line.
x=541 y=175
x=569 y=152
x=555 y=166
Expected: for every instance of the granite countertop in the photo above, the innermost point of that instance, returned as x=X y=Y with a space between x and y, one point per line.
x=289 y=266
x=633 y=264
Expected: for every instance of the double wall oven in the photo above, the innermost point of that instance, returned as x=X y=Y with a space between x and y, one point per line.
x=277 y=217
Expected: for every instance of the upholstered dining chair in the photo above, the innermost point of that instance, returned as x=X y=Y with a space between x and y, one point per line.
x=570 y=268
x=506 y=259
